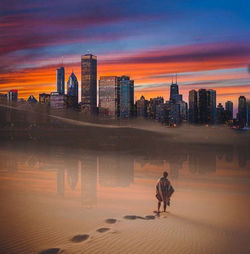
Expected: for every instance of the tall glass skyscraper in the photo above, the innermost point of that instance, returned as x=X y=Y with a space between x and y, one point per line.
x=89 y=82
x=126 y=97
x=72 y=86
x=60 y=80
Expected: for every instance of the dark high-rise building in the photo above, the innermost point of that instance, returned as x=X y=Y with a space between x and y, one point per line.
x=183 y=110
x=12 y=96
x=229 y=110
x=151 y=110
x=174 y=93
x=89 y=82
x=60 y=80
x=141 y=107
x=175 y=116
x=126 y=97
x=242 y=111
x=202 y=106
x=221 y=117
x=193 y=107
x=211 y=106
x=248 y=112
x=109 y=96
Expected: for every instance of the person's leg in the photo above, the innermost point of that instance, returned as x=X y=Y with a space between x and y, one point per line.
x=159 y=206
x=165 y=205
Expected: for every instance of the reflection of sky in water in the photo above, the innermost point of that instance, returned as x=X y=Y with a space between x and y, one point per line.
x=91 y=176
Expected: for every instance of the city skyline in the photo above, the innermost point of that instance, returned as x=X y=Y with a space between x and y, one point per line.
x=147 y=42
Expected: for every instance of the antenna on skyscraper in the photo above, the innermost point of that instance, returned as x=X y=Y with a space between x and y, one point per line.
x=176 y=78
x=172 y=79
x=62 y=60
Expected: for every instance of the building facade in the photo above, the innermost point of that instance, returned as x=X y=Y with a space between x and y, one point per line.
x=57 y=101
x=72 y=90
x=193 y=107
x=44 y=98
x=229 y=109
x=60 y=80
x=89 y=83
x=242 y=112
x=12 y=96
x=211 y=106
x=3 y=98
x=109 y=96
x=141 y=107
x=126 y=97
x=174 y=93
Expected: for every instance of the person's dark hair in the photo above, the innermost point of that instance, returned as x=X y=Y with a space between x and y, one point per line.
x=165 y=174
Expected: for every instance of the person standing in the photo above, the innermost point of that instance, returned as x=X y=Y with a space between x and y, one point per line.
x=164 y=191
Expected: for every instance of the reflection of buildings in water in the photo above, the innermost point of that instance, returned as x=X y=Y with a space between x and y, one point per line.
x=202 y=160
x=8 y=163
x=89 y=180
x=54 y=160
x=176 y=161
x=60 y=180
x=116 y=170
x=72 y=172
x=243 y=155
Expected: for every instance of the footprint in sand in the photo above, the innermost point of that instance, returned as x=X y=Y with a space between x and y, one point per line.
x=50 y=251
x=130 y=217
x=79 y=238
x=150 y=217
x=102 y=230
x=110 y=221
x=134 y=217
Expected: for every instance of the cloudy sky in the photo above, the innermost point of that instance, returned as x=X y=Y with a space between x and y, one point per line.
x=206 y=42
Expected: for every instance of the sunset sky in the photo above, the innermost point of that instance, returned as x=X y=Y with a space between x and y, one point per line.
x=206 y=42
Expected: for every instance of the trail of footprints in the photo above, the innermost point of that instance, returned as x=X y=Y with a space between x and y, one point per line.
x=83 y=237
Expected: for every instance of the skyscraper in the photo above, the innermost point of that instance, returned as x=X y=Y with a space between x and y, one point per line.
x=248 y=112
x=220 y=116
x=72 y=86
x=193 y=107
x=174 y=93
x=229 y=110
x=242 y=111
x=109 y=96
x=126 y=97
x=202 y=106
x=211 y=106
x=72 y=91
x=141 y=107
x=60 y=80
x=89 y=82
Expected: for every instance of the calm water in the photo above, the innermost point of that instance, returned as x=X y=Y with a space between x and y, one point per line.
x=65 y=179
